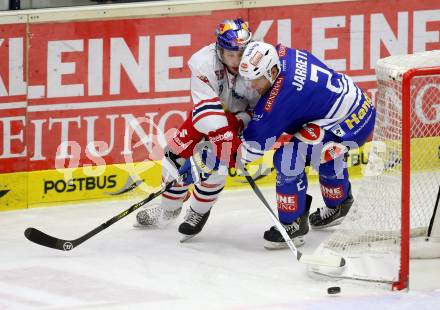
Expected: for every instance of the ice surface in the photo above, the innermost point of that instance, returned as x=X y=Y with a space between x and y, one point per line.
x=225 y=267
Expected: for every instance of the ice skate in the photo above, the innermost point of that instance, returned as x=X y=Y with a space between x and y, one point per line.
x=327 y=217
x=296 y=231
x=193 y=224
x=155 y=216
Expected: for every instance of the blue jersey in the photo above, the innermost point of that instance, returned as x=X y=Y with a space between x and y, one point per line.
x=306 y=91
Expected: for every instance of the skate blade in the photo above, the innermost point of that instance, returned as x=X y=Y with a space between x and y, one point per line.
x=145 y=227
x=160 y=224
x=334 y=223
x=186 y=238
x=153 y=226
x=268 y=245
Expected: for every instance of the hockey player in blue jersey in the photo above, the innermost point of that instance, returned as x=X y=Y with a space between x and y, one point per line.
x=326 y=113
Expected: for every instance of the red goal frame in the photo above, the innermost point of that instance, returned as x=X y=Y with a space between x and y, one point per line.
x=402 y=283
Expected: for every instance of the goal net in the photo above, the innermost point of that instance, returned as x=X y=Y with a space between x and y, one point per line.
x=396 y=199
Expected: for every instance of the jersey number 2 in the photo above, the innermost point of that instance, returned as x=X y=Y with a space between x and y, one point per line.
x=314 y=77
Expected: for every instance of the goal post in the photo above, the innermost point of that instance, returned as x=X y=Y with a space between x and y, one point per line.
x=407 y=132
x=396 y=202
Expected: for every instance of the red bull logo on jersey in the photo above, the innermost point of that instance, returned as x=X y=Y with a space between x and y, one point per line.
x=203 y=78
x=273 y=93
x=357 y=116
x=287 y=203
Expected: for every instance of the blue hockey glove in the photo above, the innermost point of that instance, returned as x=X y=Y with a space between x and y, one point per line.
x=200 y=166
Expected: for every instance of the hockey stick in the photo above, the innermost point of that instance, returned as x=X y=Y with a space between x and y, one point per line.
x=321 y=260
x=258 y=175
x=41 y=238
x=129 y=186
x=431 y=222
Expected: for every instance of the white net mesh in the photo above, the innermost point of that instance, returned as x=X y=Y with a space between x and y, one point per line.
x=369 y=237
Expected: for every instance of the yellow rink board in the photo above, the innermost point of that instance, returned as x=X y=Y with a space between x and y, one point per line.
x=13 y=191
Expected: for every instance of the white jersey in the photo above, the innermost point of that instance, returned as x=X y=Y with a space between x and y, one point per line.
x=215 y=90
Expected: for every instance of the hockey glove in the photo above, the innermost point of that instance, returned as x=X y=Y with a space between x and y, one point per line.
x=234 y=121
x=200 y=166
x=225 y=143
x=185 y=139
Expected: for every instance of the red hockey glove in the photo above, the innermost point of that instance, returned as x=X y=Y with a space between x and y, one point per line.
x=225 y=142
x=234 y=121
x=185 y=139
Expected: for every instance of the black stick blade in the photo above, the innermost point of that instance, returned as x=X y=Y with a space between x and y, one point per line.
x=39 y=237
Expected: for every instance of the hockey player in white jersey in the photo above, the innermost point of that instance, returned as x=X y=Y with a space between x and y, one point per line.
x=222 y=100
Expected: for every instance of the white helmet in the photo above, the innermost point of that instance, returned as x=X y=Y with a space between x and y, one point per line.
x=258 y=60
